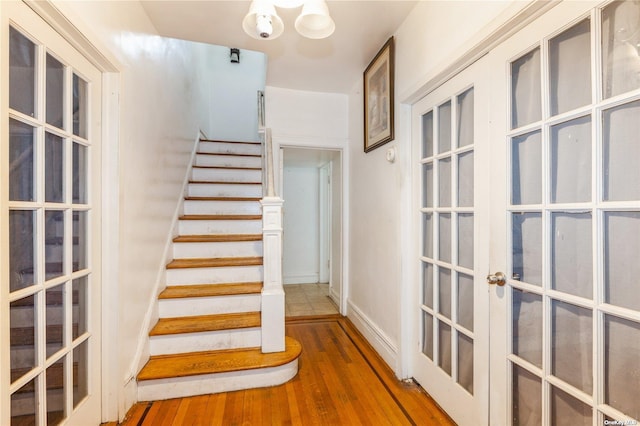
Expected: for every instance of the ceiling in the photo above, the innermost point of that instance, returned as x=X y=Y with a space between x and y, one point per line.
x=330 y=65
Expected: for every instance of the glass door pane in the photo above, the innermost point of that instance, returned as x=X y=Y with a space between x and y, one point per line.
x=570 y=68
x=574 y=225
x=22 y=73
x=620 y=40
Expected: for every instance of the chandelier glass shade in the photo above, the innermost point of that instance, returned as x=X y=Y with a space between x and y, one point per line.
x=314 y=20
x=263 y=23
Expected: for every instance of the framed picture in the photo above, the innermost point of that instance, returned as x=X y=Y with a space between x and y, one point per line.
x=378 y=98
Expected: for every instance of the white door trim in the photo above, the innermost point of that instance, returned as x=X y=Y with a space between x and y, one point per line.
x=521 y=14
x=284 y=143
x=324 y=236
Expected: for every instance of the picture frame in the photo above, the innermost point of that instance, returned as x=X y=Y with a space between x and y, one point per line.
x=379 y=98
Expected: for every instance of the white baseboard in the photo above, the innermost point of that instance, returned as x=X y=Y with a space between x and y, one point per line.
x=335 y=296
x=301 y=279
x=376 y=337
x=128 y=398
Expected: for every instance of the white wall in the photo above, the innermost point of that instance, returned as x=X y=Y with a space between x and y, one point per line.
x=380 y=267
x=164 y=102
x=235 y=90
x=301 y=225
x=309 y=119
x=438 y=32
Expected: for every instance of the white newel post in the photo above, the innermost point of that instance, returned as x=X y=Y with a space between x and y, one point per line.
x=272 y=291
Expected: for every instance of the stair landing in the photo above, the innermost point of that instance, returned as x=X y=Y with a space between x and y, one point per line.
x=213 y=362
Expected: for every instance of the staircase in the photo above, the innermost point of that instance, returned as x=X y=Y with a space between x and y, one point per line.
x=208 y=338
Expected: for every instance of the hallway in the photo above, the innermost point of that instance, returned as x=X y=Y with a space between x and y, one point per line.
x=302 y=300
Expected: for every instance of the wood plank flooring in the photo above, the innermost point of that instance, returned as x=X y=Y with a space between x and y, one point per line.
x=341 y=381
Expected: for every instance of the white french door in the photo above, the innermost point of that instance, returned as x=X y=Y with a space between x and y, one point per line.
x=563 y=196
x=50 y=199
x=451 y=126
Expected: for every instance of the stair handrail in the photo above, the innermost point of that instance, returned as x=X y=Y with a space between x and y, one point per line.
x=268 y=156
x=270 y=181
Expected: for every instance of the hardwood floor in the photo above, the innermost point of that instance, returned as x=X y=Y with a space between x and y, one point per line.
x=341 y=381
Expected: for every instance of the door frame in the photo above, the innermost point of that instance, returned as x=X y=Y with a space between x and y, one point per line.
x=61 y=18
x=337 y=260
x=324 y=233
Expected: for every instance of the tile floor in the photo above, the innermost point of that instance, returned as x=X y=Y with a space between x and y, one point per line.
x=308 y=299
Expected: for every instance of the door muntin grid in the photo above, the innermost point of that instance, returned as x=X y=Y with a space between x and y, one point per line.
x=572 y=230
x=447 y=210
x=50 y=211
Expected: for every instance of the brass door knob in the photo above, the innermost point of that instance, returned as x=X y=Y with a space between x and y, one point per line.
x=498 y=279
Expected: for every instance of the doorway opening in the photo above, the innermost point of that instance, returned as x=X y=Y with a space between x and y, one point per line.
x=311 y=182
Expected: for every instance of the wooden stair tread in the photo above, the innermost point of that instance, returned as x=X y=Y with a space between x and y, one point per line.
x=218 y=238
x=221 y=182
x=25 y=336
x=228 y=154
x=228 y=167
x=54 y=297
x=214 y=262
x=200 y=323
x=219 y=141
x=210 y=362
x=209 y=290
x=222 y=198
x=221 y=217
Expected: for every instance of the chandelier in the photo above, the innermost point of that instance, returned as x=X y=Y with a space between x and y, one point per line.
x=263 y=23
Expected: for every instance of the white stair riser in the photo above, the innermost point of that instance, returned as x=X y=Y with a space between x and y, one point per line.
x=23 y=404
x=153 y=390
x=209 y=160
x=227 y=274
x=203 y=227
x=55 y=253
x=226 y=175
x=230 y=148
x=22 y=316
x=224 y=190
x=186 y=307
x=224 y=249
x=206 y=341
x=201 y=207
